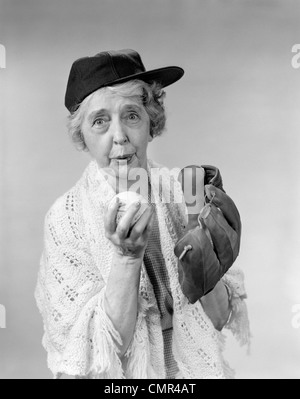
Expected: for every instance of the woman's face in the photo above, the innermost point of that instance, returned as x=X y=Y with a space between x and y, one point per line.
x=116 y=131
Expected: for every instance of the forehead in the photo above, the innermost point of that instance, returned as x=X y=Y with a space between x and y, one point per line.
x=112 y=100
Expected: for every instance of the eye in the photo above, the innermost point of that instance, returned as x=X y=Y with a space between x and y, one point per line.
x=99 y=122
x=133 y=117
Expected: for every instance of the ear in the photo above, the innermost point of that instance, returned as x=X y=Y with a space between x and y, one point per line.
x=150 y=138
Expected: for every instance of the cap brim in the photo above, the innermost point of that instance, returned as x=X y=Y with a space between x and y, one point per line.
x=164 y=76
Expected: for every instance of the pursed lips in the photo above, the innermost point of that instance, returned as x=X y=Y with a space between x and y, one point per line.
x=126 y=157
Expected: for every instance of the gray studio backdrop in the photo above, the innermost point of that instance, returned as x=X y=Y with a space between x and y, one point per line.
x=237 y=107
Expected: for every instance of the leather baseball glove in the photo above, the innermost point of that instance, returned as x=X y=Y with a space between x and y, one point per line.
x=208 y=249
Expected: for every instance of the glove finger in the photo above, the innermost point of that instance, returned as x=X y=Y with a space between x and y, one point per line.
x=213 y=176
x=227 y=206
x=199 y=269
x=225 y=239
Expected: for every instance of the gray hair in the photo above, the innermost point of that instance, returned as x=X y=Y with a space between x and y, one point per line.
x=152 y=98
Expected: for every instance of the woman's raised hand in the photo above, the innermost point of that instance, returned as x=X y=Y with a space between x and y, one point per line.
x=129 y=239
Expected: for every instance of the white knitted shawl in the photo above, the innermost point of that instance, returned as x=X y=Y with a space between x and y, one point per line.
x=78 y=335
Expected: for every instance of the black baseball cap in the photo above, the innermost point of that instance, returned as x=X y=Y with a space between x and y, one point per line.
x=108 y=68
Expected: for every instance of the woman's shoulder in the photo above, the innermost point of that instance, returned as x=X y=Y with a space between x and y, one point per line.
x=152 y=164
x=69 y=204
x=63 y=210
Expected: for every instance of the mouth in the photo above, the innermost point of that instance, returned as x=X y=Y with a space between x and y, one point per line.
x=125 y=157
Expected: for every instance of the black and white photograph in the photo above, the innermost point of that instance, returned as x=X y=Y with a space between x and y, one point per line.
x=150 y=192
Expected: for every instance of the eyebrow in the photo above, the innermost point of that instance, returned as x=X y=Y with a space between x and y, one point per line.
x=96 y=113
x=102 y=111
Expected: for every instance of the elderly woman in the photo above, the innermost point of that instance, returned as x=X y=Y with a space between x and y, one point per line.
x=109 y=292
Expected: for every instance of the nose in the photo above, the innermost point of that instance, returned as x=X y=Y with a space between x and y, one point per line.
x=119 y=133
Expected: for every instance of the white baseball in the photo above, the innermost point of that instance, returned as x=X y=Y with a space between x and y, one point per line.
x=126 y=198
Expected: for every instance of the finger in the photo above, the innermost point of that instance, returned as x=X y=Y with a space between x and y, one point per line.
x=142 y=223
x=227 y=206
x=125 y=222
x=149 y=226
x=110 y=216
x=151 y=222
x=225 y=239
